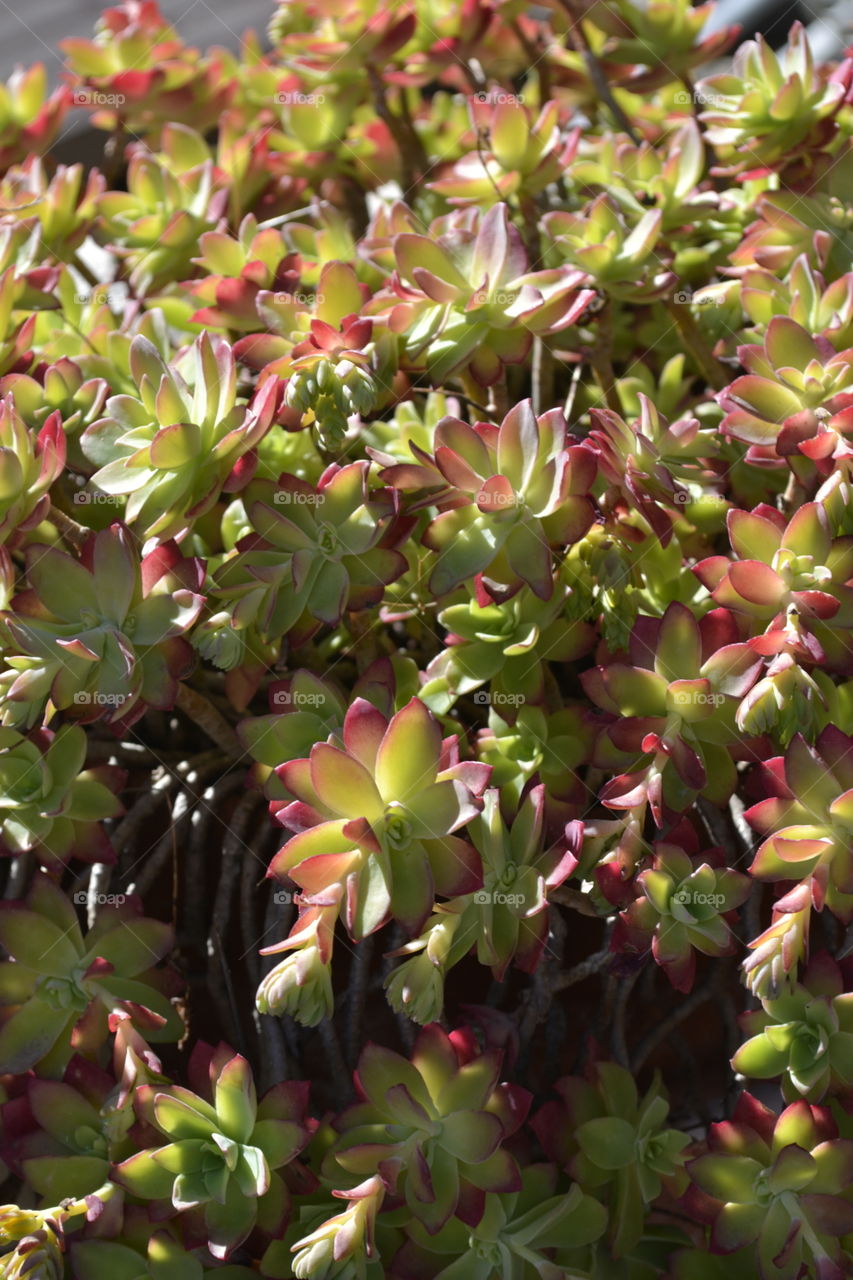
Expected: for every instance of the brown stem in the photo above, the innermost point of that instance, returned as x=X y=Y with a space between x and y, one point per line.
x=694 y=340
x=601 y=357
x=203 y=713
x=538 y=60
x=577 y=38
x=74 y=534
x=413 y=158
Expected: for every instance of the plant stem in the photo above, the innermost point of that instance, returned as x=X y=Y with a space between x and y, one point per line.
x=577 y=38
x=694 y=340
x=201 y=711
x=74 y=534
x=601 y=357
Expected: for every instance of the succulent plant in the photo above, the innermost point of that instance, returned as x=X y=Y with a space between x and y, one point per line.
x=675 y=708
x=618 y=258
x=433 y=1127
x=344 y=1240
x=511 y=494
x=224 y=1151
x=505 y=921
x=49 y=801
x=64 y=988
x=30 y=117
x=615 y=1144
x=173 y=449
x=518 y=1230
x=777 y=1183
x=803 y=820
x=316 y=551
x=28 y=468
x=806 y=1036
x=786 y=570
x=794 y=396
x=113 y=641
x=683 y=908
x=770 y=110
x=375 y=811
x=465 y=298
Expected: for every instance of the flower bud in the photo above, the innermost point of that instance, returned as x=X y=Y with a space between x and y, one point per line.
x=219 y=641
x=301 y=986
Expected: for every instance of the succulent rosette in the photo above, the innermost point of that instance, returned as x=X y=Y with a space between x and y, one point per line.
x=805 y=820
x=50 y=802
x=225 y=1151
x=615 y=1144
x=433 y=1127
x=510 y=494
x=686 y=905
x=174 y=448
x=28 y=468
x=155 y=225
x=805 y=1035
x=675 y=708
x=30 y=117
x=376 y=811
x=65 y=989
x=524 y=154
x=316 y=551
x=777 y=1183
x=518 y=1229
x=465 y=299
x=771 y=109
x=112 y=642
x=504 y=922
x=506 y=645
x=618 y=258
x=783 y=569
x=795 y=397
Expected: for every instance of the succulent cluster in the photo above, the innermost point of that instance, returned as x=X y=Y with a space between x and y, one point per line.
x=428 y=434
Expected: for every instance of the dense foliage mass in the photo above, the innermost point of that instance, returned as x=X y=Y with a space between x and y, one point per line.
x=426 y=561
